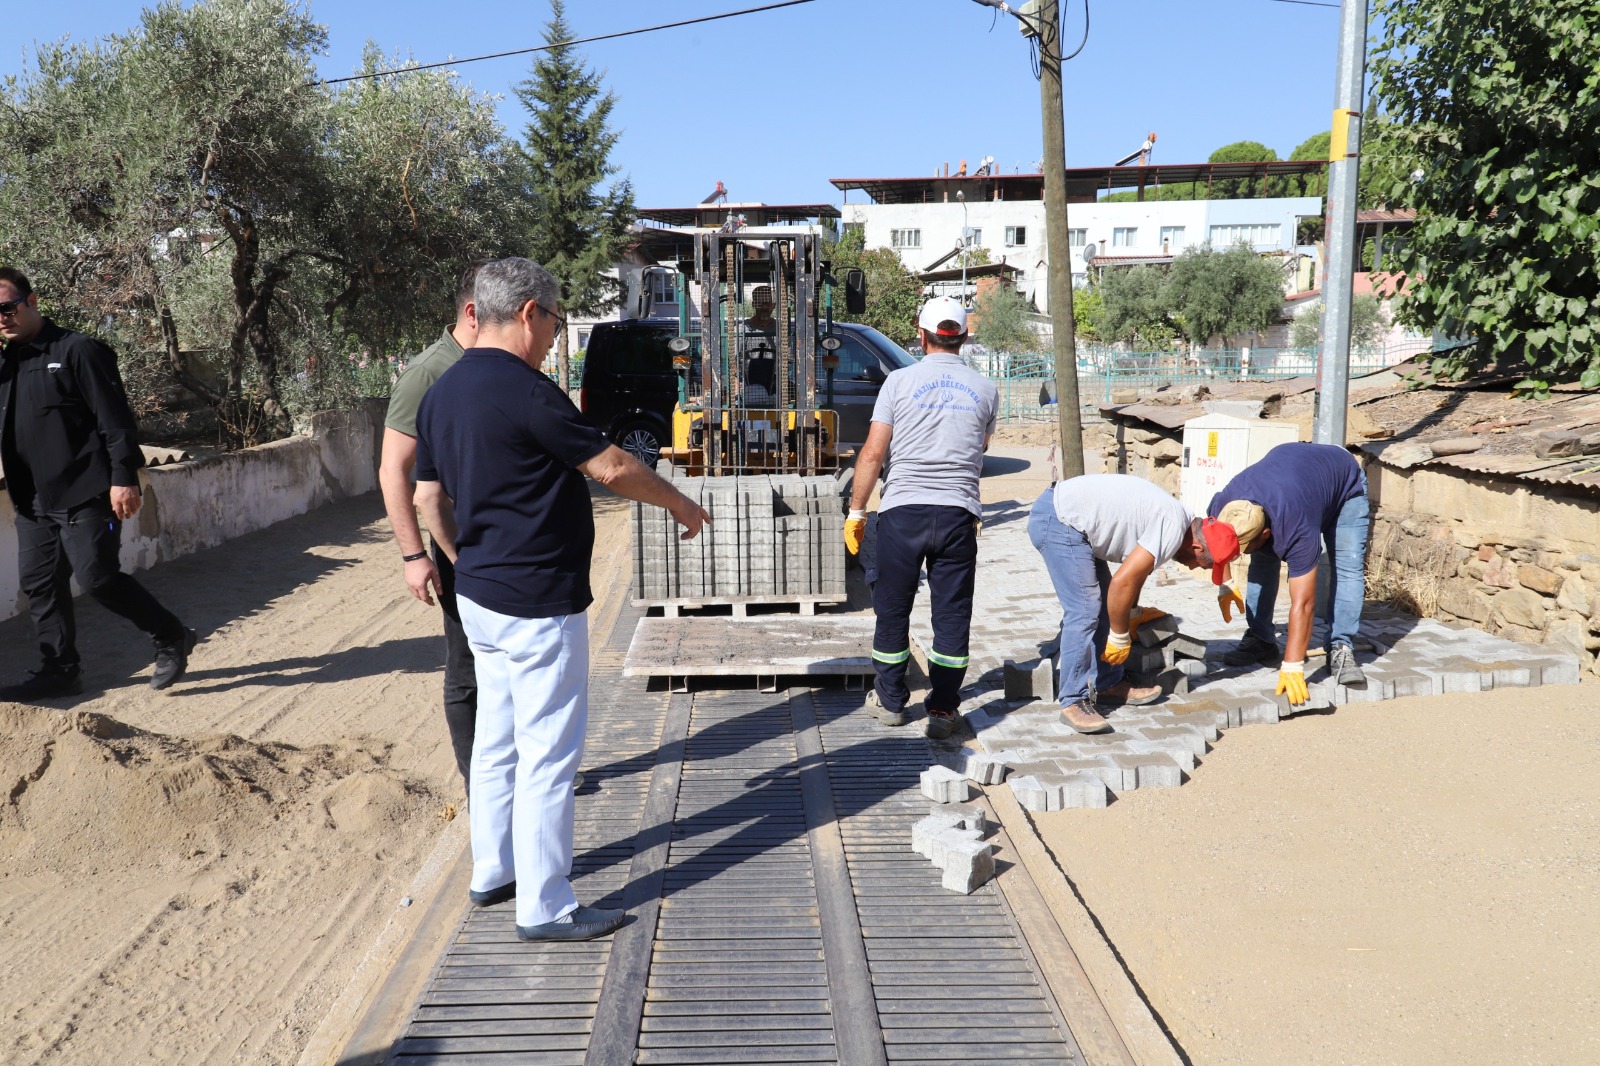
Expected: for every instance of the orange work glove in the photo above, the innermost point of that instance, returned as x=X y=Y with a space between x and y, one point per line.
x=1228 y=601
x=1117 y=647
x=855 y=531
x=1145 y=614
x=1292 y=682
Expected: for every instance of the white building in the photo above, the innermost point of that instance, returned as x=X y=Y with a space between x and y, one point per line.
x=923 y=219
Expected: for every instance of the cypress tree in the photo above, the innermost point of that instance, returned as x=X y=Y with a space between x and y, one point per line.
x=581 y=223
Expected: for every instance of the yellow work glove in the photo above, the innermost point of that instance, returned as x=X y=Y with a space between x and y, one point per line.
x=1145 y=614
x=1228 y=601
x=1292 y=682
x=855 y=531
x=1117 y=647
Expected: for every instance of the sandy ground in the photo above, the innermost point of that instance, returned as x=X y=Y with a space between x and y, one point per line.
x=193 y=877
x=1413 y=882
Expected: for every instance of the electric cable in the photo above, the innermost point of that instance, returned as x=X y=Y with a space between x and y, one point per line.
x=563 y=44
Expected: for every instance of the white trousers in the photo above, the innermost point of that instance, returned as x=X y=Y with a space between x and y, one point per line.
x=533 y=707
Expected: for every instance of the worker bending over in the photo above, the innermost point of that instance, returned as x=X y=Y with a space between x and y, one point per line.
x=1080 y=526
x=1283 y=509
x=930 y=428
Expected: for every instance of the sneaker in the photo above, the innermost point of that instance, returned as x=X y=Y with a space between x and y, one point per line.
x=1251 y=650
x=1084 y=719
x=941 y=724
x=45 y=683
x=1126 y=694
x=172 y=660
x=884 y=714
x=1342 y=665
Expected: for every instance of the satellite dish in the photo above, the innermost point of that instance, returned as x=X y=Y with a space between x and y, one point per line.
x=1089 y=252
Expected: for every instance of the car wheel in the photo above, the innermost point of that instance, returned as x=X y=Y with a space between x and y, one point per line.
x=640 y=440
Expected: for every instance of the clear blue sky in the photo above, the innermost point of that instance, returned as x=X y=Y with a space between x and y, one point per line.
x=775 y=104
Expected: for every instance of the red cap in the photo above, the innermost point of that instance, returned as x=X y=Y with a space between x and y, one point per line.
x=1223 y=545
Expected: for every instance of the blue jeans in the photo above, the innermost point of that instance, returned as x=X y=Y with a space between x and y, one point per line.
x=1347 y=586
x=1081 y=582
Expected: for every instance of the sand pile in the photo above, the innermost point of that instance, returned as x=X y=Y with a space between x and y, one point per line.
x=107 y=830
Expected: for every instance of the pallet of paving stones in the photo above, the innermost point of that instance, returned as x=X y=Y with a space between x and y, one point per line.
x=773 y=539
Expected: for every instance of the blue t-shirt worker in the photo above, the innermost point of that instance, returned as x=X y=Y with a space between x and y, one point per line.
x=1284 y=508
x=501 y=458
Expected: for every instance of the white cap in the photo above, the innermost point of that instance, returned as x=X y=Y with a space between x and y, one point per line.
x=943 y=309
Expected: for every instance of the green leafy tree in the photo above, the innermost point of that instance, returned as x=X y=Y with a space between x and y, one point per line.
x=1088 y=313
x=1313 y=147
x=1003 y=323
x=1369 y=323
x=582 y=223
x=1231 y=293
x=1492 y=140
x=1136 y=308
x=893 y=293
x=1244 y=152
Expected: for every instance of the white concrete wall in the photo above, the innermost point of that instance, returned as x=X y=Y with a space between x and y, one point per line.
x=200 y=504
x=941 y=225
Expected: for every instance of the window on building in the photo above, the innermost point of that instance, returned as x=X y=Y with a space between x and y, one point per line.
x=1267 y=234
x=974 y=237
x=1017 y=236
x=1077 y=238
x=1125 y=237
x=1172 y=238
x=905 y=238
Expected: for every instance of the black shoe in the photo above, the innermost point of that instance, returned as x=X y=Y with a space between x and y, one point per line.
x=941 y=724
x=587 y=923
x=173 y=659
x=1251 y=650
x=489 y=897
x=45 y=683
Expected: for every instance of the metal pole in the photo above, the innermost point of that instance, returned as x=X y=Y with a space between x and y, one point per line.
x=1344 y=167
x=963 y=198
x=1057 y=251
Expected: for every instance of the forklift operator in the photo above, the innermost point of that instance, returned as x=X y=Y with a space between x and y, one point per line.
x=930 y=427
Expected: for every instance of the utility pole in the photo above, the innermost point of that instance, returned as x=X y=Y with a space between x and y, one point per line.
x=1344 y=170
x=1057 y=249
x=1041 y=19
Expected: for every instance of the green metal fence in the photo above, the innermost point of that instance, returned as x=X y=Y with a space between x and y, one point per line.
x=1025 y=380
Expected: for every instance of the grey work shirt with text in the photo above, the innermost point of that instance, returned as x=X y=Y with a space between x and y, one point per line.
x=942 y=411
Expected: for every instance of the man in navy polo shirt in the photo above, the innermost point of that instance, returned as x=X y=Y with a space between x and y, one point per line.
x=1283 y=509
x=501 y=458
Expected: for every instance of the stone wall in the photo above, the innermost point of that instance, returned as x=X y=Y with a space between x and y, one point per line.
x=1141 y=450
x=200 y=504
x=1516 y=558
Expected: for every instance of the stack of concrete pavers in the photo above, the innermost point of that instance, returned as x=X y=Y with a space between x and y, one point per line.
x=770 y=537
x=951 y=837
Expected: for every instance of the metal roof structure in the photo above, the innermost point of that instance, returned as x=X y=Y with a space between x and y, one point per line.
x=711 y=216
x=972 y=273
x=1084 y=184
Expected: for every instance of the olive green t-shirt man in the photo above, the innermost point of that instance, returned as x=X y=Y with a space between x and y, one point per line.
x=419 y=376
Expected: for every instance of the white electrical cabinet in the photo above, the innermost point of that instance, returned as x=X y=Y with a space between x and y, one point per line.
x=1216 y=447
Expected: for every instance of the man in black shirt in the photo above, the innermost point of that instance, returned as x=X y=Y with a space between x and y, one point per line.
x=70 y=448
x=501 y=459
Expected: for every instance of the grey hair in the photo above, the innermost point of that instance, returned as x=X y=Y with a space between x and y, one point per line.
x=504 y=286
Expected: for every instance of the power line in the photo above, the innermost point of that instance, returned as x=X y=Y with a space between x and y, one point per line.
x=564 y=44
x=1307 y=3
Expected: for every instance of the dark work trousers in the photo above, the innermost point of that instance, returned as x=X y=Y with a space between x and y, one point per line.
x=81 y=542
x=460 y=677
x=945 y=539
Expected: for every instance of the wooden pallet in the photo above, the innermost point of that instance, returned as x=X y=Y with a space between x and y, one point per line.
x=764 y=647
x=739 y=606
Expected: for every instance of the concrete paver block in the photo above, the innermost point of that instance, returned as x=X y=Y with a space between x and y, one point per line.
x=1173 y=681
x=1562 y=672
x=944 y=785
x=1510 y=674
x=967 y=866
x=1153 y=771
x=1255 y=710
x=1035 y=795
x=1031 y=679
x=1187 y=647
x=1156 y=633
x=977 y=766
x=1083 y=790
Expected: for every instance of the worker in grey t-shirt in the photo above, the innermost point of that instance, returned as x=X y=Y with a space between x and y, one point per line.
x=1079 y=526
x=930 y=427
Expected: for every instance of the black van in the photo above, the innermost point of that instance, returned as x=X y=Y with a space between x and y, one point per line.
x=629 y=389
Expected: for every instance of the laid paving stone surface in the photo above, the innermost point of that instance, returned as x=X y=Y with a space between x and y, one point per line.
x=1016 y=618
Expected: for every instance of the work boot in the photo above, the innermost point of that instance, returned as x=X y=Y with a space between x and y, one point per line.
x=1342 y=665
x=1251 y=650
x=45 y=683
x=941 y=724
x=882 y=713
x=1083 y=718
x=173 y=659
x=1124 y=694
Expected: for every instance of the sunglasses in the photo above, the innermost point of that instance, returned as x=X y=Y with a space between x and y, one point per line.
x=9 y=307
